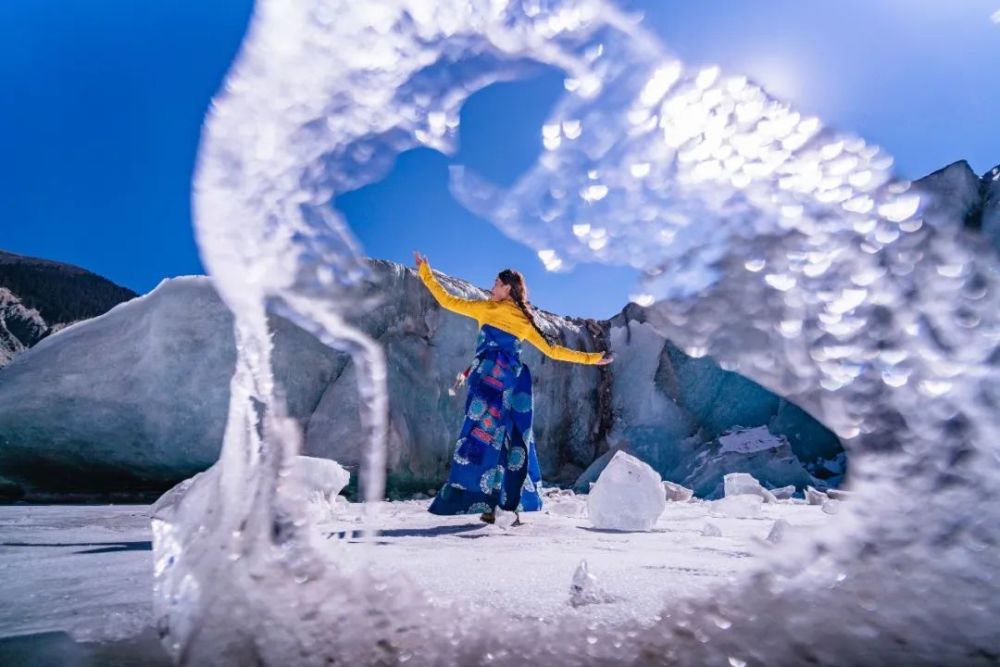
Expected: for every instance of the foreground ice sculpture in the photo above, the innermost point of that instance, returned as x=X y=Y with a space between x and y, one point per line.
x=814 y=274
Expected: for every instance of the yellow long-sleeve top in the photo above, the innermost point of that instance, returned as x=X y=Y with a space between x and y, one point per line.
x=503 y=315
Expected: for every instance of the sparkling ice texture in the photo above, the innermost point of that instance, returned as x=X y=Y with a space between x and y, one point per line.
x=780 y=247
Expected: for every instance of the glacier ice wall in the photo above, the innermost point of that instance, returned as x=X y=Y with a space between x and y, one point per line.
x=774 y=244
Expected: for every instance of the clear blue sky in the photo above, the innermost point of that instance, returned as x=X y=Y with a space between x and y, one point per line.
x=101 y=104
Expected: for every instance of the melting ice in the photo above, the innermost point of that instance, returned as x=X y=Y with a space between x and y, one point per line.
x=781 y=247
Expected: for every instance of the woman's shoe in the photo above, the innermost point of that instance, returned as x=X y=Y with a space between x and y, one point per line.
x=517 y=520
x=487 y=517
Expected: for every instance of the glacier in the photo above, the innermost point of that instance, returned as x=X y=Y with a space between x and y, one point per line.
x=133 y=401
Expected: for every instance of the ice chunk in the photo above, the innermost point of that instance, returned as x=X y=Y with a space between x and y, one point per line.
x=629 y=495
x=322 y=478
x=585 y=589
x=778 y=530
x=784 y=493
x=677 y=492
x=831 y=506
x=741 y=483
x=839 y=494
x=773 y=466
x=710 y=530
x=815 y=497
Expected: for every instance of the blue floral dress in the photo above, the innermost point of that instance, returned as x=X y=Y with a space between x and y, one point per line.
x=495 y=462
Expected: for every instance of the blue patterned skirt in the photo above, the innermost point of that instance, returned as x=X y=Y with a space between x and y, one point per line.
x=495 y=462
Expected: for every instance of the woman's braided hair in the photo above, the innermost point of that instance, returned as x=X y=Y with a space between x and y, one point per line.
x=519 y=293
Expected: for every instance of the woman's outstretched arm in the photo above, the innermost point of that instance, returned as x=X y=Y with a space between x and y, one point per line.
x=561 y=353
x=469 y=307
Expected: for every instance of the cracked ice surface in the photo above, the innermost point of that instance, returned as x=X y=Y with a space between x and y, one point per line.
x=779 y=246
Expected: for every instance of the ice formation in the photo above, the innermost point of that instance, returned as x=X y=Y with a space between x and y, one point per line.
x=815 y=497
x=814 y=274
x=838 y=494
x=747 y=440
x=831 y=506
x=784 y=492
x=629 y=495
x=73 y=407
x=585 y=589
x=741 y=483
x=564 y=502
x=777 y=533
x=676 y=492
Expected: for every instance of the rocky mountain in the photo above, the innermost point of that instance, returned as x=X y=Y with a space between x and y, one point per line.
x=39 y=297
x=956 y=195
x=135 y=400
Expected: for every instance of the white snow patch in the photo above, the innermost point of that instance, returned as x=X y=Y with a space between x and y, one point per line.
x=742 y=506
x=97 y=587
x=710 y=530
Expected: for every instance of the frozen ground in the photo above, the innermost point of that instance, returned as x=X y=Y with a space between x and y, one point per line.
x=87 y=570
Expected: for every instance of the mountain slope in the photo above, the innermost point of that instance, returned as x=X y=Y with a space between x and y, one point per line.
x=39 y=297
x=956 y=195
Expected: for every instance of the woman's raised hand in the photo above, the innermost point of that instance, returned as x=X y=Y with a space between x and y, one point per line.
x=606 y=359
x=418 y=259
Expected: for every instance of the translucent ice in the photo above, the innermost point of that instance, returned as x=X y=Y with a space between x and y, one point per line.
x=777 y=532
x=677 y=492
x=585 y=589
x=815 y=497
x=322 y=477
x=776 y=245
x=783 y=493
x=741 y=483
x=839 y=494
x=629 y=495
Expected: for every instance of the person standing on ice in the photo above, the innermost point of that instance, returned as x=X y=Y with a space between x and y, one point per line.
x=495 y=463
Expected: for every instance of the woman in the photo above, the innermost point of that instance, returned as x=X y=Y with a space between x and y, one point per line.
x=495 y=461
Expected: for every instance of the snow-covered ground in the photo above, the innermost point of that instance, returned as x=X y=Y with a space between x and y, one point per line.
x=87 y=570
x=83 y=569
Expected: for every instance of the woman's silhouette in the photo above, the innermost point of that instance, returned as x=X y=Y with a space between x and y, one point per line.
x=495 y=463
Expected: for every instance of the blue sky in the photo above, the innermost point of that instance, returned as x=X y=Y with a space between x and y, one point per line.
x=102 y=102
